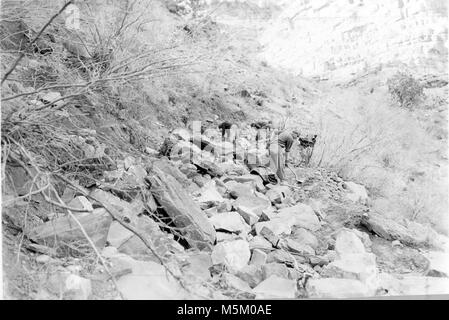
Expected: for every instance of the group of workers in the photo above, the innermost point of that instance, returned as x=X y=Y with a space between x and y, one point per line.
x=278 y=139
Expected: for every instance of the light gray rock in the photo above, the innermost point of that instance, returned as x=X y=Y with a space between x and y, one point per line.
x=300 y=215
x=306 y=237
x=149 y=281
x=277 y=226
x=358 y=266
x=274 y=268
x=357 y=193
x=185 y=213
x=337 y=288
x=234 y=254
x=276 y=288
x=259 y=242
x=296 y=247
x=251 y=274
x=258 y=257
x=348 y=242
x=230 y=221
x=236 y=283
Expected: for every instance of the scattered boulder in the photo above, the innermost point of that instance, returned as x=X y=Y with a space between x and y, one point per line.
x=348 y=242
x=278 y=269
x=209 y=195
x=278 y=194
x=358 y=266
x=251 y=274
x=230 y=221
x=281 y=256
x=439 y=264
x=300 y=215
x=388 y=229
x=268 y=234
x=197 y=266
x=252 y=178
x=253 y=203
x=276 y=288
x=276 y=226
x=357 y=193
x=237 y=189
x=148 y=281
x=234 y=254
x=65 y=229
x=248 y=215
x=333 y=288
x=258 y=257
x=296 y=247
x=184 y=212
x=305 y=237
x=235 y=282
x=259 y=242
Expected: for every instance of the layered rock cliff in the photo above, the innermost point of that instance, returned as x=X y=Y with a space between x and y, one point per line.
x=340 y=38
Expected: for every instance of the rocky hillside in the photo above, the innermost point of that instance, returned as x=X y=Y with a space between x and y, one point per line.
x=108 y=194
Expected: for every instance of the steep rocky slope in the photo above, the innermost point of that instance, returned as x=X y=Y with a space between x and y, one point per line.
x=95 y=206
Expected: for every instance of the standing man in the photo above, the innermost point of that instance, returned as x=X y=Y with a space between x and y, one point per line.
x=281 y=143
x=229 y=133
x=260 y=126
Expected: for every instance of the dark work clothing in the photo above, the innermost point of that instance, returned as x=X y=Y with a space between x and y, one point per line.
x=224 y=126
x=260 y=125
x=285 y=140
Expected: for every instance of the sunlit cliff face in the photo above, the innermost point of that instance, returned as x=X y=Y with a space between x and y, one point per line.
x=338 y=38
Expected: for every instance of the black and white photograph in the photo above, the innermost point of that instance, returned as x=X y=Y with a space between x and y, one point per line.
x=232 y=151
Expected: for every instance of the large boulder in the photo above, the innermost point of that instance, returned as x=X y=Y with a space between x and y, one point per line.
x=358 y=266
x=275 y=268
x=184 y=212
x=65 y=229
x=277 y=226
x=210 y=195
x=251 y=208
x=357 y=193
x=148 y=281
x=348 y=242
x=259 y=242
x=305 y=237
x=391 y=230
x=234 y=254
x=237 y=189
x=230 y=221
x=439 y=263
x=300 y=215
x=276 y=287
x=252 y=178
x=278 y=194
x=335 y=288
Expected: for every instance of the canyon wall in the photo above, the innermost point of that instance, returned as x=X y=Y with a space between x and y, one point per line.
x=339 y=38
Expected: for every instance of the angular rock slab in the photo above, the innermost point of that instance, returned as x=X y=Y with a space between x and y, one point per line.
x=149 y=281
x=276 y=288
x=361 y=266
x=337 y=288
x=96 y=224
x=348 y=242
x=181 y=208
x=230 y=221
x=234 y=254
x=300 y=215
